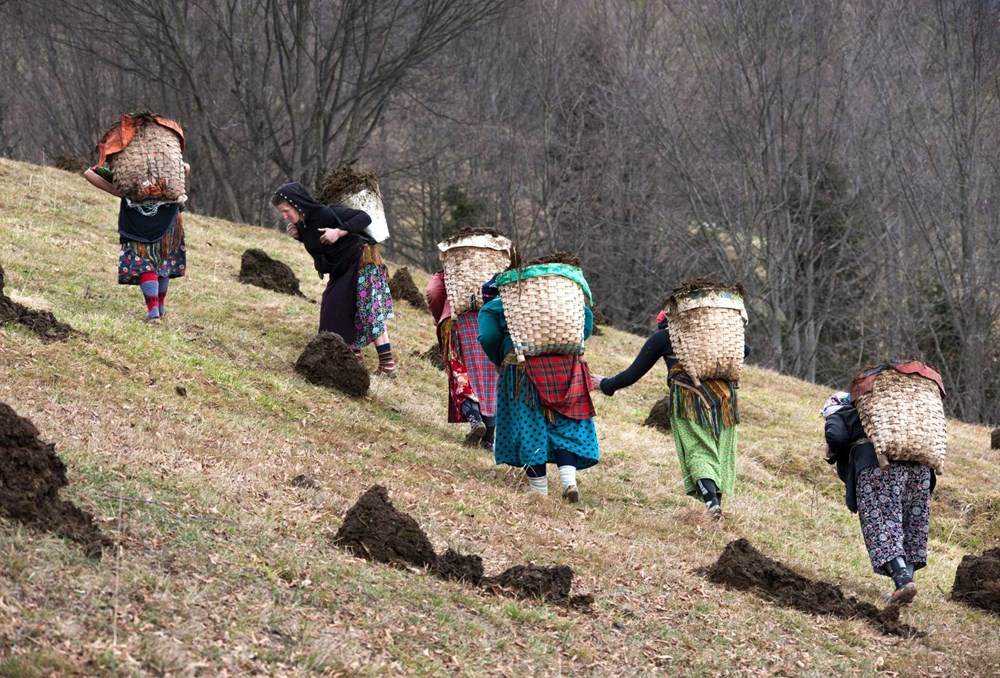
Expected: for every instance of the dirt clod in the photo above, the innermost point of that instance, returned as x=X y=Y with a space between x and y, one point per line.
x=433 y=356
x=556 y=258
x=42 y=323
x=659 y=415
x=374 y=529
x=743 y=567
x=328 y=361
x=977 y=581
x=306 y=482
x=181 y=391
x=31 y=474
x=402 y=287
x=529 y=581
x=453 y=565
x=258 y=268
x=71 y=162
x=994 y=437
x=344 y=182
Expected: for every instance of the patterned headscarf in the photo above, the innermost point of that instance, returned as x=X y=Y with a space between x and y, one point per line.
x=490 y=290
x=837 y=401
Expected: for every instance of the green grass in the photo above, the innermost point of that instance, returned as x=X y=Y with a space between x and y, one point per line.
x=224 y=566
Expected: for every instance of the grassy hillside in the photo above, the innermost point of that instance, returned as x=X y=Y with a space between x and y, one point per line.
x=224 y=567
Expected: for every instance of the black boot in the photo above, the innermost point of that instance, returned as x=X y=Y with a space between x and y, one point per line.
x=477 y=429
x=902 y=577
x=710 y=494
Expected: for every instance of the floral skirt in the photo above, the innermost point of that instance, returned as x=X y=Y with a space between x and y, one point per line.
x=167 y=257
x=894 y=506
x=373 y=306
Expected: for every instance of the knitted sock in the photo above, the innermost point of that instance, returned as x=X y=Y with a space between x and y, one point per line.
x=709 y=492
x=385 y=360
x=471 y=412
x=163 y=283
x=537 y=480
x=899 y=572
x=150 y=291
x=567 y=476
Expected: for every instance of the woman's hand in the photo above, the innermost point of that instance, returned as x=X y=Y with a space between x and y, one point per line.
x=595 y=381
x=328 y=236
x=292 y=230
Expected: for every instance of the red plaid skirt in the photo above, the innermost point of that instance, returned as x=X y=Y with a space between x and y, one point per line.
x=471 y=375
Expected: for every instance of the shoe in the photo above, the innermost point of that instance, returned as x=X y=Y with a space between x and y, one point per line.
x=390 y=373
x=475 y=435
x=571 y=494
x=715 y=511
x=489 y=447
x=903 y=596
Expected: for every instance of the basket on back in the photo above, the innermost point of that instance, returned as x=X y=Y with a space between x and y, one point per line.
x=470 y=259
x=544 y=306
x=707 y=323
x=901 y=407
x=357 y=190
x=145 y=155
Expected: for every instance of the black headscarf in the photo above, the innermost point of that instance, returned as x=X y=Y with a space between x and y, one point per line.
x=333 y=259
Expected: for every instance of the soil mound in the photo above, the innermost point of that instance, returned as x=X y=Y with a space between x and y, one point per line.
x=433 y=356
x=977 y=581
x=31 y=475
x=402 y=287
x=1 y=279
x=42 y=323
x=453 y=565
x=743 y=567
x=328 y=361
x=556 y=258
x=374 y=530
x=258 y=268
x=344 y=182
x=994 y=437
x=659 y=415
x=71 y=162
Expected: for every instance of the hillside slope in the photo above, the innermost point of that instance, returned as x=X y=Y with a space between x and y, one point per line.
x=222 y=566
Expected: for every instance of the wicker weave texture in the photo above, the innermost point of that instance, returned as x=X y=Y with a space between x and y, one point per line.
x=709 y=337
x=370 y=202
x=465 y=271
x=151 y=167
x=545 y=314
x=903 y=415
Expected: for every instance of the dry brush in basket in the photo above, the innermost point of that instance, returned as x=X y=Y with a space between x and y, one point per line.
x=145 y=155
x=545 y=310
x=901 y=407
x=470 y=258
x=707 y=324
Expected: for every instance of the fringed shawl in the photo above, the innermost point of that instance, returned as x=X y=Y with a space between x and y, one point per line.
x=712 y=405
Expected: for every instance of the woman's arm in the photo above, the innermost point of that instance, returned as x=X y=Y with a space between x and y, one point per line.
x=102 y=183
x=656 y=347
x=436 y=295
x=491 y=330
x=352 y=221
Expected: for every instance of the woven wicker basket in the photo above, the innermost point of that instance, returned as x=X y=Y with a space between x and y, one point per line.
x=903 y=415
x=371 y=202
x=708 y=333
x=151 y=167
x=465 y=271
x=545 y=314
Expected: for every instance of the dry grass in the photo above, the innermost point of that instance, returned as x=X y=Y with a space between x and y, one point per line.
x=225 y=568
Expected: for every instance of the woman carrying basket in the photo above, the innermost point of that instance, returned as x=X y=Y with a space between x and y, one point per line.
x=356 y=301
x=544 y=411
x=892 y=503
x=703 y=418
x=472 y=378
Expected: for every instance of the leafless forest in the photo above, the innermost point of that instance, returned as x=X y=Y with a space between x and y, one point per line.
x=838 y=158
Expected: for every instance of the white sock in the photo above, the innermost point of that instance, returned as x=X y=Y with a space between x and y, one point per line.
x=567 y=476
x=539 y=485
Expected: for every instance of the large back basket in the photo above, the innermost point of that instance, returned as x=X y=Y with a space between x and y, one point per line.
x=357 y=189
x=545 y=313
x=707 y=323
x=468 y=263
x=151 y=166
x=901 y=408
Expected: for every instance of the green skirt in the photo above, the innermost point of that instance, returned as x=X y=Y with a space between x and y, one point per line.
x=701 y=455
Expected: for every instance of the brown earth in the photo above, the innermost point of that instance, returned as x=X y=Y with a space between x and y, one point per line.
x=402 y=287
x=433 y=356
x=659 y=415
x=71 y=162
x=31 y=475
x=42 y=323
x=556 y=258
x=699 y=284
x=994 y=437
x=470 y=231
x=328 y=361
x=743 y=567
x=344 y=182
x=977 y=581
x=374 y=529
x=259 y=269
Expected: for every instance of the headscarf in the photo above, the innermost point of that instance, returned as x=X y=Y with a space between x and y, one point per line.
x=661 y=320
x=490 y=291
x=296 y=195
x=836 y=402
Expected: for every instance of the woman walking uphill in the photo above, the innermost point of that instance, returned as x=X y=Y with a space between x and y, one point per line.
x=703 y=419
x=544 y=411
x=356 y=302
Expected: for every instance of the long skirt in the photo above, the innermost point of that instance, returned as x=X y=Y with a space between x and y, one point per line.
x=701 y=455
x=527 y=435
x=167 y=257
x=471 y=375
x=894 y=506
x=357 y=304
